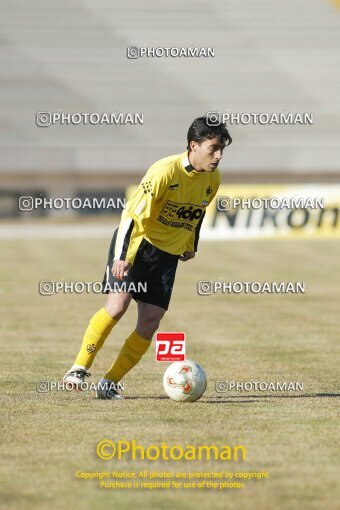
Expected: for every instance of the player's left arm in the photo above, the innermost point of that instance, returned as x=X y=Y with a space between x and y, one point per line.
x=187 y=255
x=193 y=245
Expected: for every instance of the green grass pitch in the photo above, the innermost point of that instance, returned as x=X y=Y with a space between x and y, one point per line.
x=46 y=438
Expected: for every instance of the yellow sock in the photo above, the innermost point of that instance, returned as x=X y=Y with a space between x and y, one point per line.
x=97 y=332
x=133 y=349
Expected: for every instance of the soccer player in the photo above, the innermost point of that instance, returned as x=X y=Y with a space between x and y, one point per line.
x=159 y=226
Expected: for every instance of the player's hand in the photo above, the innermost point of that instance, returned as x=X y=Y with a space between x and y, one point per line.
x=120 y=269
x=187 y=255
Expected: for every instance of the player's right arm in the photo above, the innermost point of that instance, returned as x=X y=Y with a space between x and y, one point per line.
x=135 y=216
x=120 y=269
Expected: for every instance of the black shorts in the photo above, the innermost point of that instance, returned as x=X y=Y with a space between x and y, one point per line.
x=151 y=277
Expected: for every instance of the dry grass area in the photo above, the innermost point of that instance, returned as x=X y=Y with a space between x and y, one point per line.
x=294 y=436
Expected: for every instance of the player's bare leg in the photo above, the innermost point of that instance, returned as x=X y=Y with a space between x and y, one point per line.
x=149 y=317
x=117 y=303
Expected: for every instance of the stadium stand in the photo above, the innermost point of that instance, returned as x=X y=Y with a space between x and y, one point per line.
x=71 y=56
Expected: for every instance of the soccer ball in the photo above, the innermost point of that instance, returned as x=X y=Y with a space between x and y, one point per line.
x=184 y=381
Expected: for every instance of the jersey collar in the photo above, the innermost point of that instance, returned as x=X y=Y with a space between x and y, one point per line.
x=186 y=164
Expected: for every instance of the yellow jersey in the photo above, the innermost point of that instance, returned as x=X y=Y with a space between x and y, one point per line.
x=167 y=208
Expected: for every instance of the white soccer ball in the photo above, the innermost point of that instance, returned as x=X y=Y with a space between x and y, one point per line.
x=184 y=381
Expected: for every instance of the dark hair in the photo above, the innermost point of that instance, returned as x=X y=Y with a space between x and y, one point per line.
x=206 y=127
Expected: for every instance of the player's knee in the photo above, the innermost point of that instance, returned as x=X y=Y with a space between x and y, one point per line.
x=116 y=305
